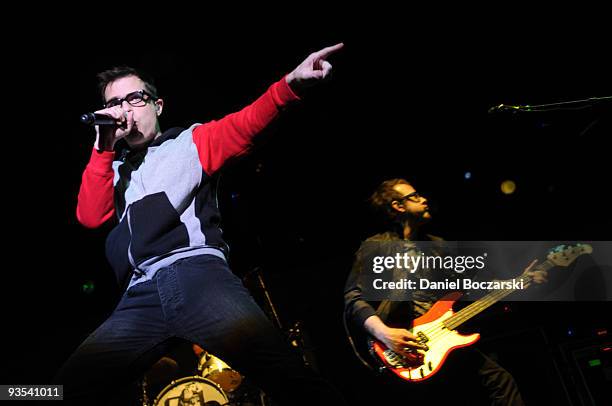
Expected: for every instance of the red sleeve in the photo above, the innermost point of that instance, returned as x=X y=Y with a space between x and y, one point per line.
x=95 y=202
x=220 y=140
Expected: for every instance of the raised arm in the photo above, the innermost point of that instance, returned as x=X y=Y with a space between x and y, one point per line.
x=217 y=141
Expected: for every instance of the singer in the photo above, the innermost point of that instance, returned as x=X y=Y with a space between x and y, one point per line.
x=167 y=250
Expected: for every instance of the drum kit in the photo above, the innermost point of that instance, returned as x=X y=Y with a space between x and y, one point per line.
x=215 y=383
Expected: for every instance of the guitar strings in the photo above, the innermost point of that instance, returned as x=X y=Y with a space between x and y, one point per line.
x=438 y=329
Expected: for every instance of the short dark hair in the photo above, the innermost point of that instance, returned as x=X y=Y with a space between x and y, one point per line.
x=384 y=195
x=118 y=72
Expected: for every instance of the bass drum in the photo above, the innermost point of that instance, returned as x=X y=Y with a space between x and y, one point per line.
x=191 y=391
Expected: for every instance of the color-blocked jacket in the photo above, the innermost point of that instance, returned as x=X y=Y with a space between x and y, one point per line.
x=165 y=196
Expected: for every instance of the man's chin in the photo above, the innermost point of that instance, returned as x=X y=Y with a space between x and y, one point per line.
x=135 y=139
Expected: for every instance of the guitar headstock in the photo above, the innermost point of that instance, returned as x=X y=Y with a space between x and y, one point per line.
x=563 y=255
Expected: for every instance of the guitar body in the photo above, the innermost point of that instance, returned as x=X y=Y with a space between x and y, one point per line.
x=431 y=332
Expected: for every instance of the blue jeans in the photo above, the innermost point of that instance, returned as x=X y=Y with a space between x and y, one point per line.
x=200 y=300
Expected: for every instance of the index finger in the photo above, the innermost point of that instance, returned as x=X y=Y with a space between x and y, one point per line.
x=129 y=120
x=411 y=340
x=407 y=335
x=531 y=265
x=325 y=52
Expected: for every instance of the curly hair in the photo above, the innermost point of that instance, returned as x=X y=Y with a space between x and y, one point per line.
x=118 y=72
x=384 y=195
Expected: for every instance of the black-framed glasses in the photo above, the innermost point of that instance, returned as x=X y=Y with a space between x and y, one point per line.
x=413 y=197
x=137 y=99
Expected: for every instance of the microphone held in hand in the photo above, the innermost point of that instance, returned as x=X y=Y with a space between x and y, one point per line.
x=97 y=119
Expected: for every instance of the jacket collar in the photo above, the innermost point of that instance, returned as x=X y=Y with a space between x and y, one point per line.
x=169 y=134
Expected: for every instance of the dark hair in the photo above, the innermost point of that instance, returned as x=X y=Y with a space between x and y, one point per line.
x=118 y=72
x=384 y=195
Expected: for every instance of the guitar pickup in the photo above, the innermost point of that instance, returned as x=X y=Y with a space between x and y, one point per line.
x=423 y=339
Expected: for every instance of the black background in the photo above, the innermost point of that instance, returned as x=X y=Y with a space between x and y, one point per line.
x=409 y=98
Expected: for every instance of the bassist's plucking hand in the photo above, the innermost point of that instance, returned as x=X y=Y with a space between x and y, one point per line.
x=399 y=340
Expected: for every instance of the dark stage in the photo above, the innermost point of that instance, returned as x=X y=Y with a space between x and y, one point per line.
x=403 y=102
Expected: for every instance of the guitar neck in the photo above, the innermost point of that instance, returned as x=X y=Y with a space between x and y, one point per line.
x=481 y=304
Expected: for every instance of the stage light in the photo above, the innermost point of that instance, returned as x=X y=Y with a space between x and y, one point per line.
x=468 y=175
x=508 y=187
x=594 y=362
x=88 y=287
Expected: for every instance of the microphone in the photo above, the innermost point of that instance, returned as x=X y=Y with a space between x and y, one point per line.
x=99 y=119
x=540 y=108
x=504 y=108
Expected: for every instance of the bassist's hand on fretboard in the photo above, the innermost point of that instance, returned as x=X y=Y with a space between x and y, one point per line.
x=535 y=273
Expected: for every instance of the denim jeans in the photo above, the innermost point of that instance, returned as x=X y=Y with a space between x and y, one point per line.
x=200 y=300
